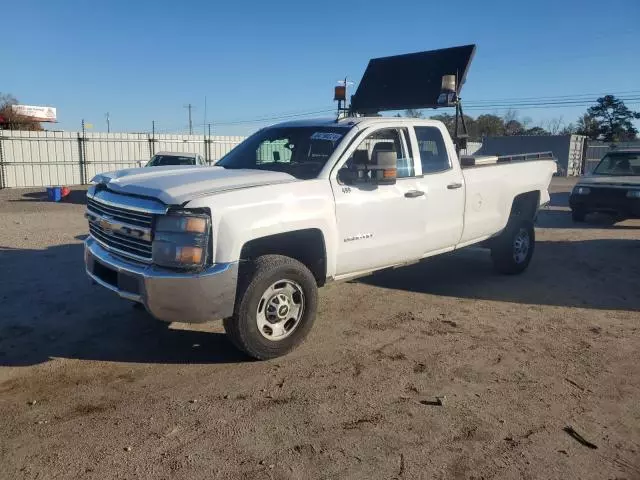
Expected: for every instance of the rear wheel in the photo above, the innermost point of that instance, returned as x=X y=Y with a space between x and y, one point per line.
x=511 y=252
x=276 y=307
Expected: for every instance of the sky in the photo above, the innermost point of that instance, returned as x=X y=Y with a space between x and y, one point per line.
x=143 y=61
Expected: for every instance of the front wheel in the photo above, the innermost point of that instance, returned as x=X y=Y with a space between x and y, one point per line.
x=513 y=249
x=578 y=215
x=275 y=309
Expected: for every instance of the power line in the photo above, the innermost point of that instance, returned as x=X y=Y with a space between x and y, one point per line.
x=548 y=107
x=275 y=117
x=549 y=102
x=544 y=102
x=514 y=106
x=555 y=97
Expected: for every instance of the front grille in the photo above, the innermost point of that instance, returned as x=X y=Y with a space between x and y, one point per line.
x=603 y=193
x=138 y=249
x=140 y=219
x=117 y=240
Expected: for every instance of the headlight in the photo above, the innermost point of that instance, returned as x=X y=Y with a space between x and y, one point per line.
x=633 y=194
x=578 y=190
x=181 y=240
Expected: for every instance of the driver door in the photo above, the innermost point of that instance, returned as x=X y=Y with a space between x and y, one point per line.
x=378 y=225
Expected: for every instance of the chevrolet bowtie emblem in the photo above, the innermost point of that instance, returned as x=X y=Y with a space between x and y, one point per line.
x=106 y=225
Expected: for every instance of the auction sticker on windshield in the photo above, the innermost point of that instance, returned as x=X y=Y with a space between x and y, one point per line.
x=332 y=137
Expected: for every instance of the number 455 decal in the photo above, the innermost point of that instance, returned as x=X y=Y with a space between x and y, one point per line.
x=346 y=189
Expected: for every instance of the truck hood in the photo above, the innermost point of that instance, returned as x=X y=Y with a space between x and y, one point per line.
x=615 y=180
x=175 y=185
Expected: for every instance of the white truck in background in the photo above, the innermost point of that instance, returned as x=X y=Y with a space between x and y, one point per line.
x=295 y=206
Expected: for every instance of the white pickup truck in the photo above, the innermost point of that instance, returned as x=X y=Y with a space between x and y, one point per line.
x=295 y=206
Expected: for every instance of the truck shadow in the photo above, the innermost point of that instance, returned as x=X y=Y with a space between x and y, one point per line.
x=49 y=309
x=600 y=274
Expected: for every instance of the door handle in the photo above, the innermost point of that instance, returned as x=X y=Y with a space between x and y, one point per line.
x=453 y=186
x=414 y=193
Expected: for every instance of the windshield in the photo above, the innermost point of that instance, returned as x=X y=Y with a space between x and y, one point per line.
x=298 y=151
x=163 y=160
x=620 y=163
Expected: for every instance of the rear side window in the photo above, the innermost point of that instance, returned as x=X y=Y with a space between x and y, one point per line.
x=433 y=152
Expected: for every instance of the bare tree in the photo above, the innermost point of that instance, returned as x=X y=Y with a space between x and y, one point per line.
x=555 y=125
x=9 y=120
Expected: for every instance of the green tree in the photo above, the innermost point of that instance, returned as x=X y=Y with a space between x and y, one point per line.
x=489 y=126
x=450 y=122
x=513 y=127
x=413 y=113
x=614 y=119
x=587 y=125
x=536 y=131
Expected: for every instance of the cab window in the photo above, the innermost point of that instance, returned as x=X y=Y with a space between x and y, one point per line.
x=433 y=151
x=390 y=140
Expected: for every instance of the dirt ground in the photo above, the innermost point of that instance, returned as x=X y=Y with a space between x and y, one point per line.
x=92 y=388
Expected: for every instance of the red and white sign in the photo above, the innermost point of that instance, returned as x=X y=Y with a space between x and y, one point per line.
x=38 y=114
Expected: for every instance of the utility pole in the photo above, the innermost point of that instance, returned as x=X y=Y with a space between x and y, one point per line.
x=108 y=122
x=204 y=125
x=190 y=107
x=209 y=147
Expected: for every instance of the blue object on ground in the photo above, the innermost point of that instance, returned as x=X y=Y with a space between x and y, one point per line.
x=54 y=194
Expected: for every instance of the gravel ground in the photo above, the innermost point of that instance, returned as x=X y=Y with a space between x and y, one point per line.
x=442 y=370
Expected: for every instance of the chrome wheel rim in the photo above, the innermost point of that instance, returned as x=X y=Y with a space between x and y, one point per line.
x=521 y=245
x=280 y=309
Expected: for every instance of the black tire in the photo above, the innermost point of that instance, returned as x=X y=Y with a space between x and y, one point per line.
x=258 y=276
x=504 y=251
x=578 y=215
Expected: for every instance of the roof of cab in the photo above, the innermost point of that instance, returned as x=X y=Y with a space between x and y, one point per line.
x=178 y=154
x=348 y=122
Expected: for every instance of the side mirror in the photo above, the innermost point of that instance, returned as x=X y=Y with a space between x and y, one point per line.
x=347 y=176
x=467 y=161
x=385 y=169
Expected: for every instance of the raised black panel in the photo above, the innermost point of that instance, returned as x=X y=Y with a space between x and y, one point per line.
x=410 y=81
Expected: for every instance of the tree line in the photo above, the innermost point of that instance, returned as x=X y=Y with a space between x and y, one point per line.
x=609 y=120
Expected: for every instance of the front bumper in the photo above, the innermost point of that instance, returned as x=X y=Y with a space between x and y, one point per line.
x=191 y=297
x=622 y=205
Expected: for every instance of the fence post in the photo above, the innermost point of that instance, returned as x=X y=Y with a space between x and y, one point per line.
x=82 y=154
x=152 y=139
x=2 y=173
x=207 y=147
